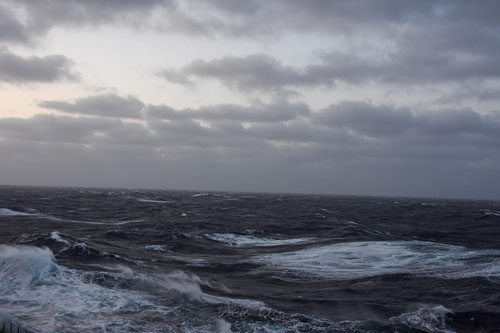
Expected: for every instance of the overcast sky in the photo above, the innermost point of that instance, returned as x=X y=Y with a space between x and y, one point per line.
x=385 y=97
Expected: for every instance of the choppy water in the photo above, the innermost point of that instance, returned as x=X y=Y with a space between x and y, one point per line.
x=81 y=260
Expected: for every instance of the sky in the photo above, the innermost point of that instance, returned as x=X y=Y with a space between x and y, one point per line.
x=384 y=97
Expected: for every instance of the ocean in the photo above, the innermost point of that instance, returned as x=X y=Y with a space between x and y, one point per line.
x=114 y=260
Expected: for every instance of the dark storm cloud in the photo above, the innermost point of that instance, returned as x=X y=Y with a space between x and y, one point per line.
x=348 y=16
x=222 y=17
x=11 y=29
x=18 y=70
x=42 y=15
x=477 y=92
x=389 y=42
x=386 y=121
x=256 y=18
x=109 y=105
x=366 y=119
x=417 y=42
x=252 y=18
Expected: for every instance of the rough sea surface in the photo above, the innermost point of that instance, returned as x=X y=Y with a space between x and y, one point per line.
x=104 y=260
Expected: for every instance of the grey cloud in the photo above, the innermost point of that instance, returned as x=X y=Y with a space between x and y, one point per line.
x=252 y=72
x=410 y=67
x=109 y=105
x=18 y=70
x=175 y=77
x=257 y=112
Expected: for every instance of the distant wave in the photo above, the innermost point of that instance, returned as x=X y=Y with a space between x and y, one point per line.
x=9 y=212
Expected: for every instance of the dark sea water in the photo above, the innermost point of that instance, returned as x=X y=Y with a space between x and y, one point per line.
x=102 y=260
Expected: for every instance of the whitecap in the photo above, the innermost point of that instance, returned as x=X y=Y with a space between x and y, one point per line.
x=157 y=248
x=249 y=240
x=367 y=259
x=200 y=195
x=10 y=212
x=56 y=235
x=491 y=212
x=152 y=201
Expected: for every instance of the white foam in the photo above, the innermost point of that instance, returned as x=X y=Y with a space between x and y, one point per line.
x=152 y=201
x=198 y=262
x=115 y=268
x=223 y=326
x=56 y=235
x=248 y=240
x=430 y=319
x=366 y=259
x=490 y=212
x=157 y=248
x=10 y=212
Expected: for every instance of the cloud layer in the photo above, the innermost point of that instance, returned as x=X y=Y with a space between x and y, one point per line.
x=343 y=140
x=108 y=105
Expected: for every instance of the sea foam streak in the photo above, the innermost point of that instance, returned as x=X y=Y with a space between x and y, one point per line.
x=366 y=259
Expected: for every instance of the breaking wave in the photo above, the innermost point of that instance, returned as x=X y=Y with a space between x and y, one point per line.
x=50 y=297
